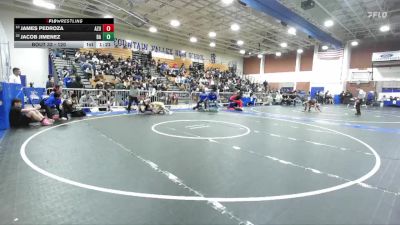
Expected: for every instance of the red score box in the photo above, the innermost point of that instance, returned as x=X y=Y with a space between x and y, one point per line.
x=108 y=27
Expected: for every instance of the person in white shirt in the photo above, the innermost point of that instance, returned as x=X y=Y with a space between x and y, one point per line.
x=15 y=77
x=359 y=100
x=95 y=60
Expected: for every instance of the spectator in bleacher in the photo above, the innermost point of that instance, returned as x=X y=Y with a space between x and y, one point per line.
x=15 y=78
x=95 y=59
x=108 y=85
x=99 y=85
x=20 y=117
x=77 y=55
x=77 y=83
x=65 y=72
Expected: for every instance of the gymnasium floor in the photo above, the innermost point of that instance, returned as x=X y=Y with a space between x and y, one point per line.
x=266 y=165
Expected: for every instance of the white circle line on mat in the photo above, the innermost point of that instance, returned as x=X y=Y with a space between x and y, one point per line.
x=247 y=130
x=196 y=198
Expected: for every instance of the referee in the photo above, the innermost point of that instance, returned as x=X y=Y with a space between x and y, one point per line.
x=359 y=101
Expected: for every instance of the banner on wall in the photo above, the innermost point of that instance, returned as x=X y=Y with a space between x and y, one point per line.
x=146 y=47
x=385 y=56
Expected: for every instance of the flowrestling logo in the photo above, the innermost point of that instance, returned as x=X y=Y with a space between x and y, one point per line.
x=377 y=15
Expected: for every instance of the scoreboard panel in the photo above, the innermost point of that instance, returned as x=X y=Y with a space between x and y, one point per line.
x=64 y=33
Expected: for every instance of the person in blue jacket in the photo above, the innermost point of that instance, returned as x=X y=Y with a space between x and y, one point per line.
x=203 y=97
x=212 y=98
x=48 y=104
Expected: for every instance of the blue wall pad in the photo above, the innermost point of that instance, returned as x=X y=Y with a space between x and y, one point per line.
x=7 y=93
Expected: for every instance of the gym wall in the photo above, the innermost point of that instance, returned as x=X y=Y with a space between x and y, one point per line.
x=251 y=65
x=361 y=56
x=285 y=63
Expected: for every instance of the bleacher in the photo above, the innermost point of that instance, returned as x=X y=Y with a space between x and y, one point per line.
x=68 y=61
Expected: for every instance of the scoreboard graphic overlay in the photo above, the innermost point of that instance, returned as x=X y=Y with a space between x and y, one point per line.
x=64 y=33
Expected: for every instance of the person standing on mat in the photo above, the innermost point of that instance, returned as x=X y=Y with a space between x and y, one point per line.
x=359 y=101
x=20 y=117
x=133 y=96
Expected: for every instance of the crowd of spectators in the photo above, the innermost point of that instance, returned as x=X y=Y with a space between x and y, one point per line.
x=126 y=72
x=150 y=75
x=96 y=66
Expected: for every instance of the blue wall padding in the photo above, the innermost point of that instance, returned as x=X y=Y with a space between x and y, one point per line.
x=7 y=93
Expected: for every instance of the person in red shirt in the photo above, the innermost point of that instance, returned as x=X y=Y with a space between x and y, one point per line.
x=235 y=101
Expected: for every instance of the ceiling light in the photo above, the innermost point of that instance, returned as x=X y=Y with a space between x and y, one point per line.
x=107 y=16
x=292 y=31
x=193 y=39
x=183 y=51
x=328 y=23
x=175 y=23
x=242 y=51
x=227 y=2
x=260 y=56
x=212 y=34
x=212 y=44
x=299 y=50
x=235 y=27
x=284 y=45
x=278 y=54
x=240 y=42
x=44 y=4
x=153 y=29
x=354 y=43
x=384 y=28
x=325 y=47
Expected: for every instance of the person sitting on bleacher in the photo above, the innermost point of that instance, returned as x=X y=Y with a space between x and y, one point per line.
x=65 y=72
x=77 y=83
x=20 y=117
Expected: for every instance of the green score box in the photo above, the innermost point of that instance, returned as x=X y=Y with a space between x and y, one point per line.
x=108 y=36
